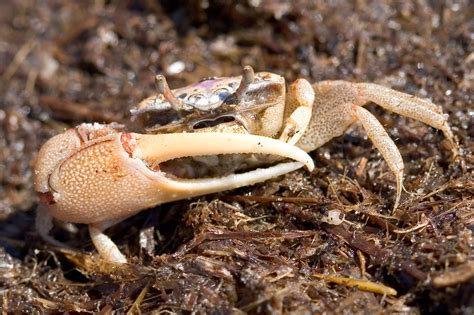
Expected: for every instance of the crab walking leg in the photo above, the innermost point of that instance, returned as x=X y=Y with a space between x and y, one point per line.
x=409 y=106
x=298 y=108
x=104 y=245
x=164 y=147
x=384 y=144
x=44 y=224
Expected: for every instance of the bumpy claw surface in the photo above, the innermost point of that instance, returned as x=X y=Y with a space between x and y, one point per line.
x=95 y=174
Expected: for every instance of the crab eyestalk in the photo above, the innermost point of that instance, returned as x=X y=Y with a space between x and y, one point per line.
x=248 y=78
x=163 y=88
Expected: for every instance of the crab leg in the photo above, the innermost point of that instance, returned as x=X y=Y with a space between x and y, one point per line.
x=384 y=144
x=298 y=108
x=104 y=245
x=44 y=224
x=409 y=106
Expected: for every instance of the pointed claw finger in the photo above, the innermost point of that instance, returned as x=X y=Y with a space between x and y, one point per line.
x=384 y=144
x=160 y=148
x=196 y=187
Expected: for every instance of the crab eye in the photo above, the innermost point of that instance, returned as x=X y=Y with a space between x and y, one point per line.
x=197 y=99
x=221 y=94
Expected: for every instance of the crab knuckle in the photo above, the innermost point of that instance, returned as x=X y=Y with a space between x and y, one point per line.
x=51 y=154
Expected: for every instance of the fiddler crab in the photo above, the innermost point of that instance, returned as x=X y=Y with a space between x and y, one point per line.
x=215 y=135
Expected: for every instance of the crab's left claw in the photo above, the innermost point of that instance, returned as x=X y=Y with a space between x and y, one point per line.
x=105 y=176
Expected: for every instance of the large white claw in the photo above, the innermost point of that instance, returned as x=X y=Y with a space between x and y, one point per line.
x=101 y=174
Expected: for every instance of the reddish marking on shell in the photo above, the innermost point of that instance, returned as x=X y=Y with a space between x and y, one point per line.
x=206 y=84
x=128 y=143
x=46 y=198
x=354 y=109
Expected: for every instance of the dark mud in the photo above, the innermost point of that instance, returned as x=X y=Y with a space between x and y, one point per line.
x=245 y=251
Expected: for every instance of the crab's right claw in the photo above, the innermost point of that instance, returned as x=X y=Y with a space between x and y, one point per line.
x=117 y=174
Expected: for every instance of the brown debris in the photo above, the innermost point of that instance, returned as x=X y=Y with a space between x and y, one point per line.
x=459 y=275
x=66 y=110
x=361 y=284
